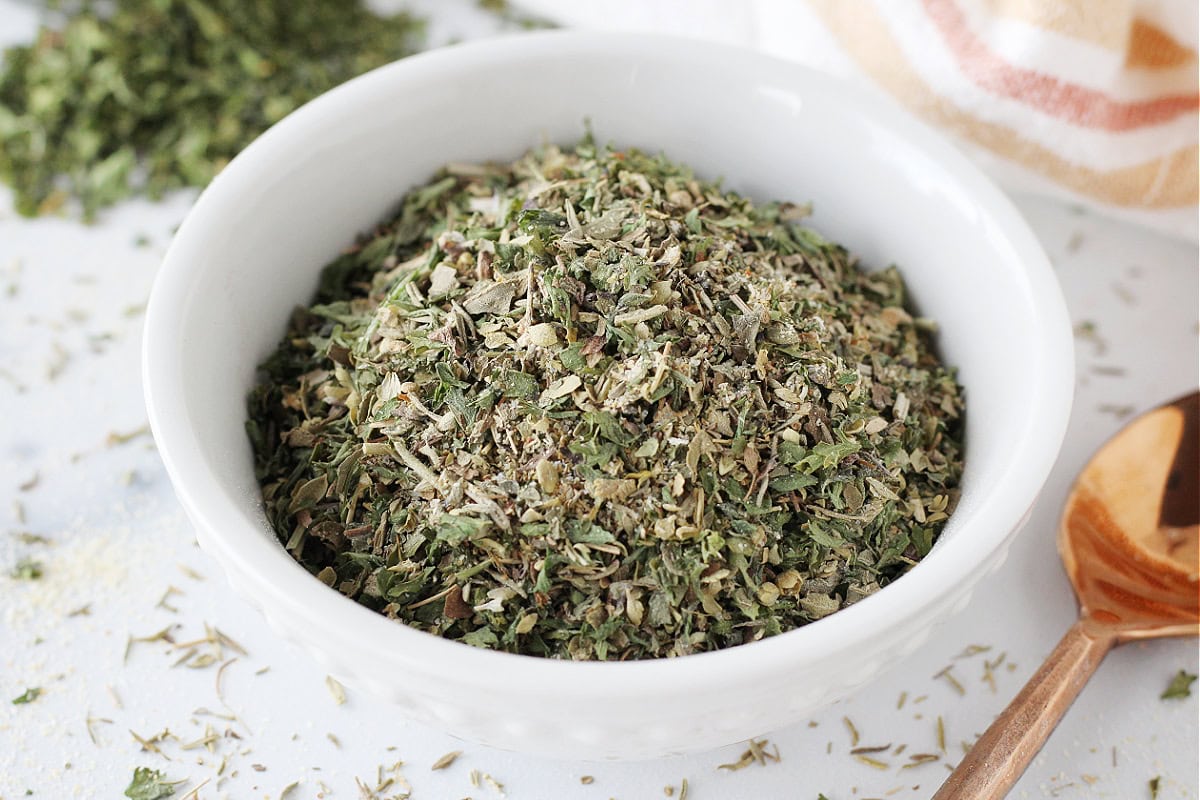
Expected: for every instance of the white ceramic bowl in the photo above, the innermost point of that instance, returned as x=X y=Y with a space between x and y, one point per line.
x=881 y=183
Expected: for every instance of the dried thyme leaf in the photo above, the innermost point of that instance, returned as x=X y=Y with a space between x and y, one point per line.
x=588 y=406
x=755 y=753
x=1180 y=686
x=948 y=674
x=919 y=759
x=143 y=96
x=850 y=726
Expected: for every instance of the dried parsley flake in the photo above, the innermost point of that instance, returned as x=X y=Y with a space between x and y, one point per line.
x=143 y=96
x=588 y=406
x=28 y=696
x=150 y=784
x=1180 y=686
x=27 y=569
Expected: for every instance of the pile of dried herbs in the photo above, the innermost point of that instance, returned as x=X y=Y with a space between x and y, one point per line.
x=143 y=96
x=587 y=406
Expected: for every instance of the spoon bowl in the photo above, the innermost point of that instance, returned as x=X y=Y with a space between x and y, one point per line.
x=1129 y=543
x=1128 y=537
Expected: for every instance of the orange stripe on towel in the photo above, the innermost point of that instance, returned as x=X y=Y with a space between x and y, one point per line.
x=1166 y=182
x=1077 y=104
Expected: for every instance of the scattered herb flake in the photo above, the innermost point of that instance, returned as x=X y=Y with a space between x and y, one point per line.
x=948 y=675
x=1118 y=410
x=919 y=759
x=853 y=731
x=28 y=696
x=1180 y=686
x=1088 y=331
x=28 y=569
x=973 y=650
x=336 y=690
x=117 y=438
x=90 y=724
x=150 y=784
x=755 y=753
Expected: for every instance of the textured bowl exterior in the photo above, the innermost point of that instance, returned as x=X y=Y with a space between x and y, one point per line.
x=252 y=247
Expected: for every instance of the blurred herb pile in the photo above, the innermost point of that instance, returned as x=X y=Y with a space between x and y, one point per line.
x=143 y=96
x=587 y=406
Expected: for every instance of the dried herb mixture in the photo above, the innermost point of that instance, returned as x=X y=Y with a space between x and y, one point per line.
x=588 y=406
x=142 y=96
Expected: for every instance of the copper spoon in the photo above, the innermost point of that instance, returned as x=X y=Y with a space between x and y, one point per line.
x=1128 y=540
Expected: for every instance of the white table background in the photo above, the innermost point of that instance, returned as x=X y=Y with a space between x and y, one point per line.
x=70 y=327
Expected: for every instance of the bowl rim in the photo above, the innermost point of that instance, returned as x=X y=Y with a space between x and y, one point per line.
x=343 y=623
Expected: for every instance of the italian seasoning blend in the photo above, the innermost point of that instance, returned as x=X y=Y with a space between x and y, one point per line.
x=587 y=406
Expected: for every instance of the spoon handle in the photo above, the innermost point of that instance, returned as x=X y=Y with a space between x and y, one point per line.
x=1004 y=751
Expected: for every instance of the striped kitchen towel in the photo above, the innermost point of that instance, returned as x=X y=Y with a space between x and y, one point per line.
x=1094 y=101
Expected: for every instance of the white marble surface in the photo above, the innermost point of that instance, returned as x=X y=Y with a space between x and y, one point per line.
x=70 y=327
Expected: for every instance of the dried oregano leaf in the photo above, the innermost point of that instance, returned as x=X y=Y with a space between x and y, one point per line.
x=588 y=406
x=143 y=96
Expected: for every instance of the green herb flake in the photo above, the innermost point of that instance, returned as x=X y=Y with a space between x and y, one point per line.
x=587 y=405
x=28 y=696
x=150 y=784
x=1179 y=687
x=28 y=569
x=151 y=95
